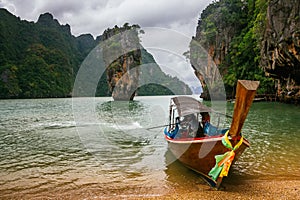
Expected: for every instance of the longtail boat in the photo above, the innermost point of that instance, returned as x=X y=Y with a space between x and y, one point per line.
x=201 y=146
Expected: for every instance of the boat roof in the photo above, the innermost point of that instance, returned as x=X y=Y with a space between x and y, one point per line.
x=187 y=105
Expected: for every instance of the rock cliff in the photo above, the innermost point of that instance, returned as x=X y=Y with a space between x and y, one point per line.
x=131 y=70
x=281 y=48
x=122 y=55
x=250 y=40
x=217 y=27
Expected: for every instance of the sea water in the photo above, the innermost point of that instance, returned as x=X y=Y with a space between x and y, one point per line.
x=95 y=147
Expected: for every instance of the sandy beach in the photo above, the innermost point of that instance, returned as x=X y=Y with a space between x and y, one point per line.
x=279 y=189
x=250 y=189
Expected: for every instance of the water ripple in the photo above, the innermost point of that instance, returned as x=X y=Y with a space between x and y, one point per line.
x=42 y=152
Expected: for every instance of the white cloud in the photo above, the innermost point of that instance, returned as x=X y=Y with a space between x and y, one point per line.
x=168 y=46
x=94 y=16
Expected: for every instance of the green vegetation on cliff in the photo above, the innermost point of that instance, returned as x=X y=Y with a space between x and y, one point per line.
x=231 y=31
x=37 y=59
x=131 y=69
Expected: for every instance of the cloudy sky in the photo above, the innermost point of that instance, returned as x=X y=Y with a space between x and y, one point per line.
x=94 y=16
x=178 y=17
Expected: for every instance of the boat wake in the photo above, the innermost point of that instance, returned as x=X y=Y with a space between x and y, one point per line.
x=129 y=126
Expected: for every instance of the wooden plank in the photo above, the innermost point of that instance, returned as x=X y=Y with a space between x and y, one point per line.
x=245 y=93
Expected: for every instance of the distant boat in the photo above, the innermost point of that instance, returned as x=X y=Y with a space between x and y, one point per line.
x=201 y=146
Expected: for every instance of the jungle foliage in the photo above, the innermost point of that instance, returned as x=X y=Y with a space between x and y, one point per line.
x=236 y=27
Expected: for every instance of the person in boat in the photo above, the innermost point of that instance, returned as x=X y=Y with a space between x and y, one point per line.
x=190 y=127
x=205 y=118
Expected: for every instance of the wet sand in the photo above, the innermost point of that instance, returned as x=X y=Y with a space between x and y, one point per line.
x=250 y=189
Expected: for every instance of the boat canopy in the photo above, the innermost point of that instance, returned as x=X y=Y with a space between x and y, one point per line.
x=187 y=105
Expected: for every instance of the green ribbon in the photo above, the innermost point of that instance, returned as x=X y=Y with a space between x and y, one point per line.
x=223 y=162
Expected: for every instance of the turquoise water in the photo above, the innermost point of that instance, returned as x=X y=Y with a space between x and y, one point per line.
x=94 y=147
x=273 y=130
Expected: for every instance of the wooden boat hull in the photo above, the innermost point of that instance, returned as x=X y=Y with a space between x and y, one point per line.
x=199 y=154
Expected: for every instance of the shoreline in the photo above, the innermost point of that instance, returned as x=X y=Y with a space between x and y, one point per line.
x=267 y=189
x=248 y=189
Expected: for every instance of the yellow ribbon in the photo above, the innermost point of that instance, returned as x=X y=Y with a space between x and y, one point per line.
x=226 y=162
x=223 y=162
x=228 y=144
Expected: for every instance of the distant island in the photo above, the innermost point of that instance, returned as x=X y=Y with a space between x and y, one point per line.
x=41 y=60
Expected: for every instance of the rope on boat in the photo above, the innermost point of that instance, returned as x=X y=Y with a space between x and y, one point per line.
x=223 y=162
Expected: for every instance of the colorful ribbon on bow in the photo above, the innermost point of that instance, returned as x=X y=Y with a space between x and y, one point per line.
x=223 y=162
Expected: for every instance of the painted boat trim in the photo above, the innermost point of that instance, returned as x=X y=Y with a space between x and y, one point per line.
x=199 y=140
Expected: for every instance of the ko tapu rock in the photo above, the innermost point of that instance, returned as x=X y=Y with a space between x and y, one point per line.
x=122 y=56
